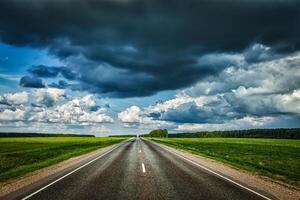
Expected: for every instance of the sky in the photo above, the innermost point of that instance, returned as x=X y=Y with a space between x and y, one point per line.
x=109 y=67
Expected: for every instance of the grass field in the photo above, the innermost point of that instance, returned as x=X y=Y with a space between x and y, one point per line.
x=276 y=158
x=21 y=155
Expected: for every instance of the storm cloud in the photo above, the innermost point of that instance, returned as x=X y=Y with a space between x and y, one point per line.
x=31 y=82
x=137 y=48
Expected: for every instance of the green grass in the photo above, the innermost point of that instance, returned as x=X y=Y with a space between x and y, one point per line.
x=276 y=158
x=21 y=155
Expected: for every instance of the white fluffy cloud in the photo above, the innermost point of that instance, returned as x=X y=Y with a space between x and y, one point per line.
x=51 y=105
x=77 y=110
x=48 y=96
x=135 y=117
x=255 y=101
x=279 y=75
x=266 y=88
x=246 y=94
x=12 y=115
x=15 y=98
x=131 y=115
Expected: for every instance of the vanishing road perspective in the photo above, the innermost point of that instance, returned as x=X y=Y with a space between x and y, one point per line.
x=137 y=169
x=150 y=99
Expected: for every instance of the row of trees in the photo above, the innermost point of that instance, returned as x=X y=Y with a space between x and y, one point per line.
x=9 y=134
x=281 y=133
x=122 y=135
x=161 y=133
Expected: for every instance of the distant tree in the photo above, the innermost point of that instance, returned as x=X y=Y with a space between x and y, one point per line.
x=159 y=133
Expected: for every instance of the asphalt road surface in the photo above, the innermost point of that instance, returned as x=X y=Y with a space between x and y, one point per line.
x=136 y=169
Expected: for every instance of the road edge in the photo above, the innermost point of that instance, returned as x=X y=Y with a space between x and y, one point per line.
x=12 y=185
x=254 y=182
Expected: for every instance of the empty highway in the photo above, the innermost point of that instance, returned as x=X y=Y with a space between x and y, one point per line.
x=136 y=169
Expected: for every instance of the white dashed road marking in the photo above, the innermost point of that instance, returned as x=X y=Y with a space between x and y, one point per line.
x=143 y=168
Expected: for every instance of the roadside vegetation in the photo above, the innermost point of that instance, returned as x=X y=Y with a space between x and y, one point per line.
x=21 y=155
x=276 y=158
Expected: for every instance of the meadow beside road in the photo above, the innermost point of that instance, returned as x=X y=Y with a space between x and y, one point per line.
x=22 y=155
x=275 y=158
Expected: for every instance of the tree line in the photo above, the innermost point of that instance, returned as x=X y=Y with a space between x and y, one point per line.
x=10 y=134
x=279 y=133
x=161 y=133
x=122 y=135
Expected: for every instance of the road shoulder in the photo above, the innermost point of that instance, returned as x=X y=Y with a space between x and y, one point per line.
x=259 y=183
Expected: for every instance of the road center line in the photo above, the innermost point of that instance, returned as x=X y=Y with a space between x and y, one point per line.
x=140 y=144
x=143 y=167
x=68 y=174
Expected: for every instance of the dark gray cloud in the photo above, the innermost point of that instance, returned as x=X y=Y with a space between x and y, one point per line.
x=31 y=82
x=191 y=113
x=147 y=46
x=44 y=71
x=51 y=71
x=258 y=53
x=60 y=85
x=264 y=104
x=217 y=111
x=95 y=108
x=4 y=103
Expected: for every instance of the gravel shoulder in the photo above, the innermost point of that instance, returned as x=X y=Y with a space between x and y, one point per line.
x=259 y=183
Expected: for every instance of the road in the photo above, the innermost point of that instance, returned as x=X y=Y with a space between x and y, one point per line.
x=137 y=169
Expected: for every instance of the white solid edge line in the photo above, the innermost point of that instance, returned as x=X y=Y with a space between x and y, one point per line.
x=143 y=167
x=68 y=174
x=217 y=174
